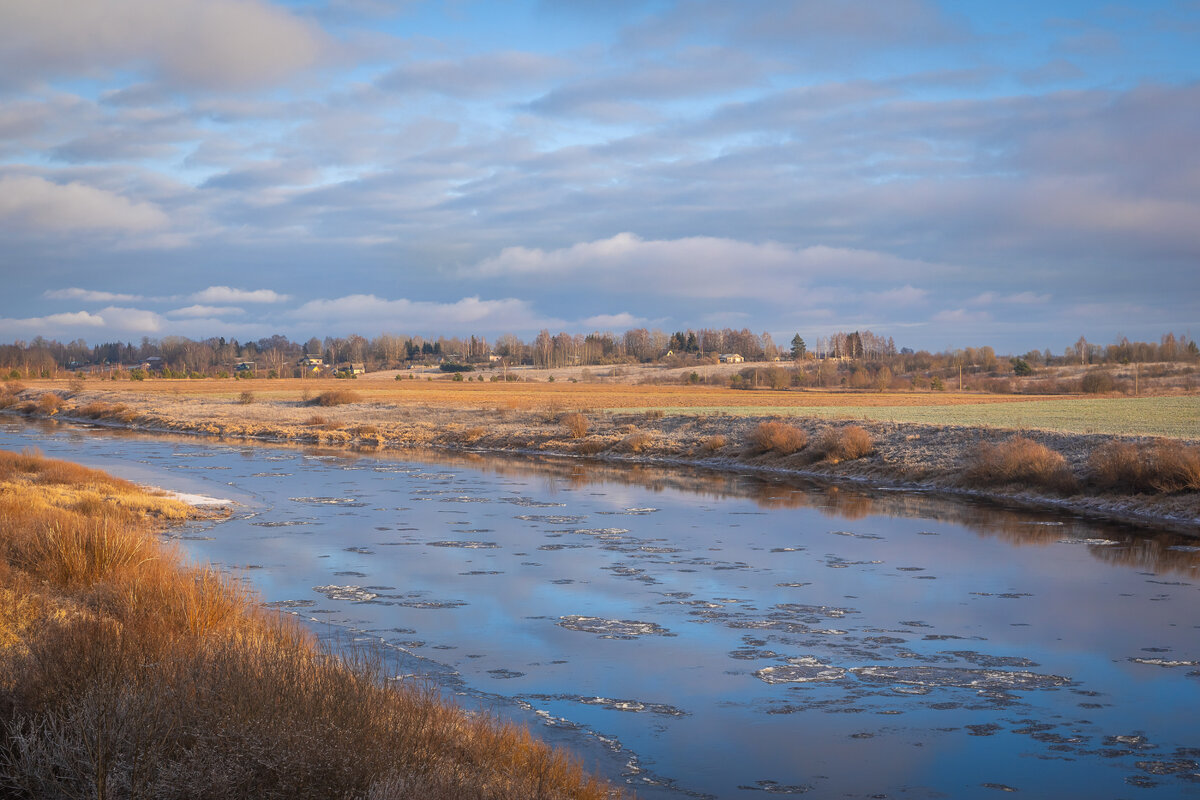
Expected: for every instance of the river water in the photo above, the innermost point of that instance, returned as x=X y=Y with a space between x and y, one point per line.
x=694 y=634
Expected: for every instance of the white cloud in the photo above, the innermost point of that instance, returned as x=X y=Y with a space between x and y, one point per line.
x=961 y=316
x=205 y=43
x=205 y=311
x=901 y=296
x=133 y=320
x=226 y=294
x=471 y=314
x=703 y=266
x=622 y=321
x=89 y=296
x=27 y=201
x=113 y=319
x=1021 y=298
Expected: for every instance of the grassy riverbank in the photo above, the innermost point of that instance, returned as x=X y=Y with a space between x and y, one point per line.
x=1060 y=453
x=125 y=672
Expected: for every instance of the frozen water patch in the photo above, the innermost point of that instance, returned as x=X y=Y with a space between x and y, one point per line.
x=348 y=502
x=854 y=535
x=1093 y=542
x=291 y=604
x=284 y=524
x=465 y=544
x=953 y=677
x=775 y=787
x=628 y=706
x=1163 y=662
x=557 y=519
x=529 y=502
x=612 y=628
x=355 y=594
x=804 y=669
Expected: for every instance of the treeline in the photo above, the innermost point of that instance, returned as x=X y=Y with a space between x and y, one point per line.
x=278 y=355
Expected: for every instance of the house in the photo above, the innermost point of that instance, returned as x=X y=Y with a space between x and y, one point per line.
x=731 y=358
x=311 y=364
x=351 y=368
x=244 y=366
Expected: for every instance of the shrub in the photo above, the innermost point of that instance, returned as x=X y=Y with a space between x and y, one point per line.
x=576 y=425
x=337 y=397
x=713 y=443
x=1021 y=367
x=246 y=398
x=778 y=437
x=936 y=384
x=137 y=375
x=1161 y=466
x=316 y=419
x=589 y=447
x=1097 y=381
x=1021 y=460
x=637 y=442
x=844 y=444
x=49 y=403
x=449 y=367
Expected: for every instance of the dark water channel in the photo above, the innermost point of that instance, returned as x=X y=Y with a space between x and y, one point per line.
x=702 y=635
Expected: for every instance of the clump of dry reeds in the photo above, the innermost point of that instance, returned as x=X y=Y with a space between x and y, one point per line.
x=130 y=674
x=778 y=437
x=1021 y=461
x=337 y=397
x=1160 y=466
x=637 y=442
x=246 y=398
x=576 y=425
x=49 y=403
x=712 y=444
x=590 y=447
x=845 y=443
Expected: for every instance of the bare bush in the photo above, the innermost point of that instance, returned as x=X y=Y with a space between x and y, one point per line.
x=49 y=403
x=1097 y=381
x=246 y=398
x=637 y=442
x=337 y=397
x=1161 y=466
x=778 y=437
x=576 y=425
x=713 y=443
x=844 y=444
x=1023 y=461
x=589 y=447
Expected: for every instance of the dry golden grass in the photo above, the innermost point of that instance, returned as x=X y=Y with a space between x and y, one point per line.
x=126 y=673
x=712 y=444
x=778 y=437
x=844 y=444
x=1024 y=461
x=1160 y=466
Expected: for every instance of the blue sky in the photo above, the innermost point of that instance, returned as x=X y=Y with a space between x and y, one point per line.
x=1015 y=174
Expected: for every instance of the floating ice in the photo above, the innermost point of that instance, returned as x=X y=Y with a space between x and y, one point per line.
x=465 y=544
x=991 y=679
x=349 y=502
x=354 y=593
x=854 y=535
x=1163 y=662
x=529 y=502
x=612 y=628
x=557 y=519
x=285 y=524
x=1095 y=542
x=804 y=669
x=630 y=706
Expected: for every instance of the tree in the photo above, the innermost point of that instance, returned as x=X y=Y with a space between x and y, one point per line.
x=798 y=347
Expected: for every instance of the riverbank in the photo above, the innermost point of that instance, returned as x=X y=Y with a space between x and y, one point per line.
x=125 y=672
x=1143 y=479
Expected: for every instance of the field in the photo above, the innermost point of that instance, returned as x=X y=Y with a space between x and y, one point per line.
x=1176 y=416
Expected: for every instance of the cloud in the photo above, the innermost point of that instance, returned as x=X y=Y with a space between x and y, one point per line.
x=217 y=44
x=360 y=312
x=112 y=319
x=702 y=266
x=226 y=294
x=475 y=76
x=205 y=311
x=622 y=321
x=30 y=202
x=959 y=316
x=89 y=296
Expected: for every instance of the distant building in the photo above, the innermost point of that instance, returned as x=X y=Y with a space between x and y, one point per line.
x=351 y=368
x=311 y=364
x=244 y=366
x=731 y=358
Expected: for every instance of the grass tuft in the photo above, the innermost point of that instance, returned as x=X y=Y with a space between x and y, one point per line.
x=844 y=444
x=1160 y=466
x=337 y=397
x=576 y=425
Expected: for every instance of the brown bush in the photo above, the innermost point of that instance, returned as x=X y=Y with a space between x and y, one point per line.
x=49 y=403
x=713 y=443
x=589 y=447
x=337 y=397
x=1097 y=381
x=1021 y=460
x=1160 y=466
x=316 y=420
x=844 y=444
x=246 y=398
x=778 y=437
x=576 y=425
x=637 y=442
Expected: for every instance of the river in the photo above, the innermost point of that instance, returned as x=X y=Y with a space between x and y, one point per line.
x=699 y=634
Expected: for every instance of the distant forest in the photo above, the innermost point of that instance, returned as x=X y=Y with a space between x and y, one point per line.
x=279 y=356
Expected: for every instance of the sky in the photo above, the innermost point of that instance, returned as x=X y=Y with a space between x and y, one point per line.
x=950 y=174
